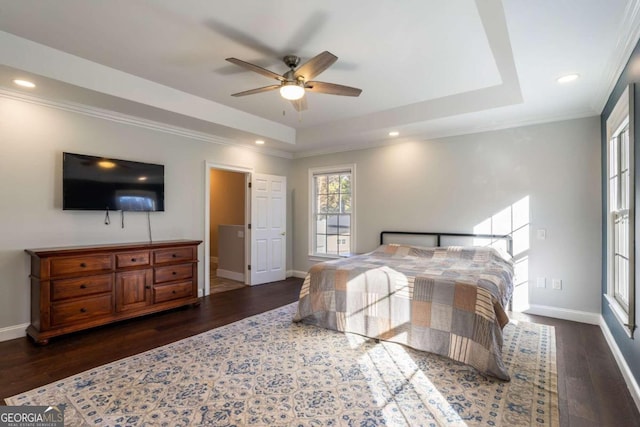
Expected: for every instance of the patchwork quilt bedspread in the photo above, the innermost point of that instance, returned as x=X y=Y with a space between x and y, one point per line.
x=445 y=300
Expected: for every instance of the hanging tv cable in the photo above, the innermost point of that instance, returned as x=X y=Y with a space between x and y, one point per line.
x=149 y=224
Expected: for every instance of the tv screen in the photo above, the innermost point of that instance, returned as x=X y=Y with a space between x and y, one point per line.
x=98 y=183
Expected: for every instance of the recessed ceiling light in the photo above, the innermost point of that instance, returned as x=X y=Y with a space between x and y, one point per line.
x=24 y=83
x=142 y=178
x=394 y=133
x=260 y=142
x=568 y=78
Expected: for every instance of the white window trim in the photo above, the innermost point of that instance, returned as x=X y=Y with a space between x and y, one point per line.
x=624 y=108
x=331 y=169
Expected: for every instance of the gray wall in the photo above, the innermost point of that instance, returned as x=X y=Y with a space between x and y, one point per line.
x=453 y=184
x=32 y=139
x=630 y=348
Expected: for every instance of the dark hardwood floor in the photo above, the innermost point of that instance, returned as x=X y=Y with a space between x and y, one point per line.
x=591 y=389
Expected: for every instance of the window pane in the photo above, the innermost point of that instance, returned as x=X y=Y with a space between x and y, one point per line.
x=345 y=183
x=624 y=150
x=332 y=224
x=624 y=191
x=321 y=184
x=613 y=157
x=344 y=224
x=345 y=203
x=321 y=244
x=613 y=194
x=333 y=203
x=344 y=245
x=321 y=204
x=334 y=183
x=332 y=245
x=321 y=224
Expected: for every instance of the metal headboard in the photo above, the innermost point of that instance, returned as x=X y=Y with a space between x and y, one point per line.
x=439 y=235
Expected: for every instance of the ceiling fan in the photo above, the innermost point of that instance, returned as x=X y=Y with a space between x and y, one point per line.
x=295 y=82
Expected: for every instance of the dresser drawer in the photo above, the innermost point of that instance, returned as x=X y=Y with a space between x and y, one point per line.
x=81 y=264
x=81 y=309
x=80 y=287
x=132 y=259
x=174 y=291
x=173 y=272
x=164 y=256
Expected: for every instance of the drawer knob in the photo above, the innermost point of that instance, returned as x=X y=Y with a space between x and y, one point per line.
x=83 y=265
x=174 y=273
x=174 y=256
x=173 y=291
x=133 y=260
x=147 y=287
x=83 y=286
x=83 y=310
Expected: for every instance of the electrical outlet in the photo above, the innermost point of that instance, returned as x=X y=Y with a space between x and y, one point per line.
x=541 y=282
x=541 y=233
x=556 y=284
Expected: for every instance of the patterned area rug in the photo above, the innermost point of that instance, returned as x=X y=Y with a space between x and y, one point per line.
x=267 y=371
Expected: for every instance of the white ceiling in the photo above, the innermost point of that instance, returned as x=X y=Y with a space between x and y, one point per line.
x=427 y=68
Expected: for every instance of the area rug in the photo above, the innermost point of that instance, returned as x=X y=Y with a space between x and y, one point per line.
x=267 y=371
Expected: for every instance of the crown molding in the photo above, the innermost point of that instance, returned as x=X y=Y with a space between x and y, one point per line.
x=136 y=121
x=628 y=38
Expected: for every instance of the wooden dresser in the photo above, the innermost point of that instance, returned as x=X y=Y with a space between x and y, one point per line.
x=76 y=288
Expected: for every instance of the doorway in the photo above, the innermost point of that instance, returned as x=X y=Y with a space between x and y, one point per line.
x=226 y=219
x=264 y=207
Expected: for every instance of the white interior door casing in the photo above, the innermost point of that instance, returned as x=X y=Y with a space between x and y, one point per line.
x=268 y=228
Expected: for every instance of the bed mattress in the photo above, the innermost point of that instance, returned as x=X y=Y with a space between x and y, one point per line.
x=445 y=300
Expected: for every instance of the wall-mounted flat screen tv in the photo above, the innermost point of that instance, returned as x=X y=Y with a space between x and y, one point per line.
x=99 y=183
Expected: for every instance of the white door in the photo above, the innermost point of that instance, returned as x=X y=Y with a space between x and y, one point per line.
x=268 y=228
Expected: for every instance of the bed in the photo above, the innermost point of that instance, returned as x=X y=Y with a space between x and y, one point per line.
x=448 y=300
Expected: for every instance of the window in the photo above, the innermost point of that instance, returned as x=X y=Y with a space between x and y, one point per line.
x=620 y=207
x=332 y=192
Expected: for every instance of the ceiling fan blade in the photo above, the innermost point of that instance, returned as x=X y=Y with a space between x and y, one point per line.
x=316 y=65
x=332 y=89
x=300 y=104
x=256 y=69
x=258 y=90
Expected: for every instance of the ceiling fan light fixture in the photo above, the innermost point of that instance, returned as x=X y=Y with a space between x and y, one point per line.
x=291 y=91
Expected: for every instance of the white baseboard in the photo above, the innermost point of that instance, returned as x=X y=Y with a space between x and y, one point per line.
x=297 y=273
x=13 y=332
x=227 y=274
x=632 y=384
x=564 y=313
